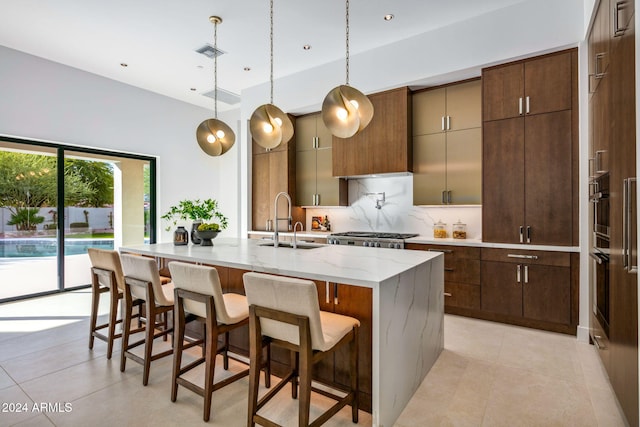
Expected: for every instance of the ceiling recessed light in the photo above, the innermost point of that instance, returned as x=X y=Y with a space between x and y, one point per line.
x=247 y=68
x=193 y=89
x=388 y=17
x=124 y=64
x=199 y=66
x=306 y=47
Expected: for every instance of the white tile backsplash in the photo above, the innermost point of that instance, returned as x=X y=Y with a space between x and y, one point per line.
x=397 y=213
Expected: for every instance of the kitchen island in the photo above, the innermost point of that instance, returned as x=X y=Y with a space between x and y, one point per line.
x=407 y=302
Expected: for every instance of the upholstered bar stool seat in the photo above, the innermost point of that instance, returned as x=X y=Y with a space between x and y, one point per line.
x=106 y=276
x=285 y=312
x=142 y=282
x=198 y=292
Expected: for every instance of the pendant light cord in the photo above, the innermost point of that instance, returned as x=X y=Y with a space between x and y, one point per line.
x=347 y=39
x=271 y=47
x=215 y=67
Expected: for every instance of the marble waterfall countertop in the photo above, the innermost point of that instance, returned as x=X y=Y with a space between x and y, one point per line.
x=333 y=263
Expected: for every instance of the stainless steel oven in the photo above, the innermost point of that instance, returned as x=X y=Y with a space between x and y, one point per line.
x=600 y=250
x=601 y=217
x=601 y=291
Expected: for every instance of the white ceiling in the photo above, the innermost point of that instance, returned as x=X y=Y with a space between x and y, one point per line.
x=158 y=38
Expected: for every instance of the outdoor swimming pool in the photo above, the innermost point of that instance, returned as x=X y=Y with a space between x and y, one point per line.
x=26 y=248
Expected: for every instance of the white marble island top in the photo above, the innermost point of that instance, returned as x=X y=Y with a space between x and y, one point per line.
x=333 y=263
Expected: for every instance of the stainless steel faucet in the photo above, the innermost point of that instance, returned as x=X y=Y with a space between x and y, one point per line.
x=276 y=220
x=295 y=238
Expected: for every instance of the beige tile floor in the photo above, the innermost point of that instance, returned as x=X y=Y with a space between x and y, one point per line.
x=488 y=375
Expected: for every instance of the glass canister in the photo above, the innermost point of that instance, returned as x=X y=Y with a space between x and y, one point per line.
x=459 y=230
x=440 y=230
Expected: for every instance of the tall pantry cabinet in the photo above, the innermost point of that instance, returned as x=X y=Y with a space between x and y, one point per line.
x=612 y=124
x=530 y=151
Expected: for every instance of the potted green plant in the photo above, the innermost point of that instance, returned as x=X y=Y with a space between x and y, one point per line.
x=196 y=211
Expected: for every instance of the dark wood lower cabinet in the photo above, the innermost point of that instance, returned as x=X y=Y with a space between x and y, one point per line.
x=537 y=292
x=537 y=289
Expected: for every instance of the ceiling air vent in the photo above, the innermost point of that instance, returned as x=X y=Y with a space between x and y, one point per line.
x=209 y=51
x=224 y=96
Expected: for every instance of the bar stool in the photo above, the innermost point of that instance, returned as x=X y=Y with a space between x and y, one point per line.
x=285 y=311
x=142 y=282
x=199 y=293
x=106 y=276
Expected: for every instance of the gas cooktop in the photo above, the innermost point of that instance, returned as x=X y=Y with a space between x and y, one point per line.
x=374 y=235
x=370 y=239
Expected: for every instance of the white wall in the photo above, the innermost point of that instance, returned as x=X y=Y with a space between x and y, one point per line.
x=44 y=100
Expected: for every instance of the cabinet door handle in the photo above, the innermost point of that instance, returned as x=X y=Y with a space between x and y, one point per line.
x=518 y=271
x=447 y=294
x=444 y=197
x=528 y=234
x=526 y=274
x=326 y=293
x=317 y=200
x=628 y=216
x=449 y=197
x=521 y=234
x=596 y=341
x=527 y=104
x=597 y=73
x=617 y=30
x=520 y=106
x=442 y=125
x=599 y=164
x=335 y=294
x=448 y=269
x=448 y=122
x=522 y=256
x=445 y=251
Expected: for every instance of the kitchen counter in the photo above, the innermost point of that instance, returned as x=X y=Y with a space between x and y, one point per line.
x=429 y=240
x=408 y=301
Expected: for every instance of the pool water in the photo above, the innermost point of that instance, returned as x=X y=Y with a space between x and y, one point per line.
x=25 y=248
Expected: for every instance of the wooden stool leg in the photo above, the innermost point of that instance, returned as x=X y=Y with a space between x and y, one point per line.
x=305 y=386
x=255 y=362
x=225 y=355
x=353 y=349
x=113 y=313
x=126 y=329
x=165 y=324
x=178 y=345
x=267 y=366
x=210 y=364
x=295 y=367
x=148 y=340
x=95 y=299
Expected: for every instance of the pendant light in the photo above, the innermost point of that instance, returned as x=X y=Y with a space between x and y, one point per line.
x=345 y=110
x=214 y=136
x=269 y=125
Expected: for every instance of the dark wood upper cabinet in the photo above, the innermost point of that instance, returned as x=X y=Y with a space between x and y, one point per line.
x=502 y=90
x=528 y=87
x=385 y=145
x=272 y=172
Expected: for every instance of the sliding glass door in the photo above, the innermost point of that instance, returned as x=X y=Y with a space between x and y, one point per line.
x=28 y=232
x=107 y=201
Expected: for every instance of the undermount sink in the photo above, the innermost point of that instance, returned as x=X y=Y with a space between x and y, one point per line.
x=290 y=245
